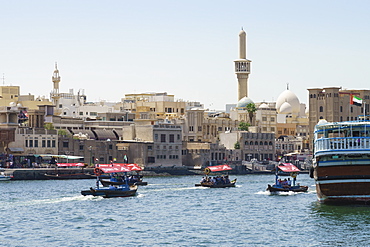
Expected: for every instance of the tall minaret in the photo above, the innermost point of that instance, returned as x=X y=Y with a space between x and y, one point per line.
x=55 y=96
x=242 y=66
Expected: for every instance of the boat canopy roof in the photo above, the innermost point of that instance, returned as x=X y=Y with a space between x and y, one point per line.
x=118 y=167
x=69 y=164
x=288 y=167
x=218 y=168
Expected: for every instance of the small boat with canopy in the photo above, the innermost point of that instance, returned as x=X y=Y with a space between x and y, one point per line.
x=217 y=181
x=286 y=185
x=133 y=179
x=119 y=190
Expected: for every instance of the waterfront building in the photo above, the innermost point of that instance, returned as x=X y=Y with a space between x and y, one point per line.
x=287 y=144
x=334 y=105
x=266 y=117
x=199 y=155
x=260 y=146
x=157 y=106
x=163 y=143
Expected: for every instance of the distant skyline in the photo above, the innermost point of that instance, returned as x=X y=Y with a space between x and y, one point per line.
x=184 y=48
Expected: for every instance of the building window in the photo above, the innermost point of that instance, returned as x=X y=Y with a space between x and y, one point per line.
x=31 y=143
x=172 y=138
x=26 y=143
x=151 y=159
x=53 y=143
x=48 y=143
x=272 y=119
x=341 y=108
x=43 y=143
x=156 y=137
x=321 y=109
x=163 y=138
x=150 y=147
x=65 y=144
x=36 y=143
x=264 y=119
x=81 y=147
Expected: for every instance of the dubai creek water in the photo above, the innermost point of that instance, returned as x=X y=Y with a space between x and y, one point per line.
x=171 y=211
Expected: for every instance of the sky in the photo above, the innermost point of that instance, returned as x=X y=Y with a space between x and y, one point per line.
x=185 y=48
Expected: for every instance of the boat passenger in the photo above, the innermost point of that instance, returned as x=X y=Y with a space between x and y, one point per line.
x=289 y=182
x=227 y=180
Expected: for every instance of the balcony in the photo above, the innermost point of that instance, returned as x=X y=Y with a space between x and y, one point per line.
x=346 y=144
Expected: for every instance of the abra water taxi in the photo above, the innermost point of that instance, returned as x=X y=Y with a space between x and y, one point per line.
x=218 y=181
x=341 y=163
x=286 y=185
x=115 y=179
x=69 y=171
x=120 y=190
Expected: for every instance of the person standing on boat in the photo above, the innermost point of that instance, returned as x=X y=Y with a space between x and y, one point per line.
x=289 y=182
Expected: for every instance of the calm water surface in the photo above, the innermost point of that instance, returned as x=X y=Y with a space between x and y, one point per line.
x=171 y=211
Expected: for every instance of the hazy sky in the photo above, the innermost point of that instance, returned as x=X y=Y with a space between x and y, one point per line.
x=185 y=48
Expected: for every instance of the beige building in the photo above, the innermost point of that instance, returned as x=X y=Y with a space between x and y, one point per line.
x=10 y=96
x=260 y=146
x=154 y=106
x=266 y=117
x=164 y=144
x=333 y=105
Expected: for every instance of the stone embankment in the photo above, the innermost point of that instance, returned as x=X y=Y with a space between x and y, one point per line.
x=86 y=173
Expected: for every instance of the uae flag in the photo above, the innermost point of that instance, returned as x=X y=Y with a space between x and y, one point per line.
x=356 y=100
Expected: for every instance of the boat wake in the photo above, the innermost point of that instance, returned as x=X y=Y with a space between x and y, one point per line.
x=281 y=193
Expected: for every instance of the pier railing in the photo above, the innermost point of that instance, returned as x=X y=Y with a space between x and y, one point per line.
x=342 y=143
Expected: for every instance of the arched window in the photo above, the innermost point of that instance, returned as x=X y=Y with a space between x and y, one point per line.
x=251 y=143
x=256 y=143
x=266 y=143
x=261 y=143
x=321 y=109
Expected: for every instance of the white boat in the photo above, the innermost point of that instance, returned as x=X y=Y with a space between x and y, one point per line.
x=4 y=177
x=341 y=164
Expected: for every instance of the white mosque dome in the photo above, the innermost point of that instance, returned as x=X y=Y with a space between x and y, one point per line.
x=263 y=106
x=285 y=108
x=288 y=97
x=244 y=102
x=322 y=121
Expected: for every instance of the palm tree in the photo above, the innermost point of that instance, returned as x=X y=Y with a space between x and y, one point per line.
x=251 y=109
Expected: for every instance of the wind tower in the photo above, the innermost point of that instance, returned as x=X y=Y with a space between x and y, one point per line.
x=55 y=96
x=242 y=66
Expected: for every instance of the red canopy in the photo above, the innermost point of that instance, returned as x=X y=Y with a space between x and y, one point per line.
x=219 y=168
x=134 y=167
x=288 y=167
x=117 y=167
x=70 y=164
